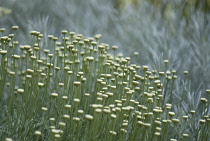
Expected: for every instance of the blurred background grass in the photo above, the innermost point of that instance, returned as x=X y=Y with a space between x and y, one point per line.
x=177 y=30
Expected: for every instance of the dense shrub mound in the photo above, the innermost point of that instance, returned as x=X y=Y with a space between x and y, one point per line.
x=77 y=88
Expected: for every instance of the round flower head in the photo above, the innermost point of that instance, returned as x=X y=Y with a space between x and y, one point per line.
x=76 y=100
x=54 y=95
x=3 y=52
x=89 y=117
x=8 y=139
x=38 y=133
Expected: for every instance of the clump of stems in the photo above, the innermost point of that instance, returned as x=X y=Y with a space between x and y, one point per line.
x=75 y=89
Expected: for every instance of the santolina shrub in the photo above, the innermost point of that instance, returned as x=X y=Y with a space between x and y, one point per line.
x=77 y=88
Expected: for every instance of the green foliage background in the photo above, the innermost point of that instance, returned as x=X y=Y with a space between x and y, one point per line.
x=156 y=35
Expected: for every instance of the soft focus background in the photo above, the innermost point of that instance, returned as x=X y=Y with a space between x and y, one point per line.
x=177 y=30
